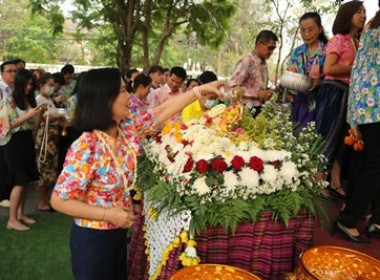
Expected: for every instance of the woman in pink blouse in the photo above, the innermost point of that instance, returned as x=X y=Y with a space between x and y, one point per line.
x=100 y=167
x=140 y=87
x=331 y=104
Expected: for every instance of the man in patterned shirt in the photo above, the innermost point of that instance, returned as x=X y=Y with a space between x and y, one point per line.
x=251 y=73
x=8 y=75
x=170 y=89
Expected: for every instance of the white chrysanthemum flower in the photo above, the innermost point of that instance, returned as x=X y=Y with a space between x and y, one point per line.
x=249 y=177
x=230 y=180
x=288 y=170
x=200 y=186
x=191 y=252
x=243 y=146
x=269 y=174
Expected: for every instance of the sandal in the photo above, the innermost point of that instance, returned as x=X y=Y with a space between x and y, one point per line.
x=334 y=192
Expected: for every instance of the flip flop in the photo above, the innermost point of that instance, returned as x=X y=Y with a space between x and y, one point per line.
x=334 y=192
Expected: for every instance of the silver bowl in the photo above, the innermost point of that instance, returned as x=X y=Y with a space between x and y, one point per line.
x=296 y=81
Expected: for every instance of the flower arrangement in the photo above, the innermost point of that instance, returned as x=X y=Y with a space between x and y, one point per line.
x=228 y=167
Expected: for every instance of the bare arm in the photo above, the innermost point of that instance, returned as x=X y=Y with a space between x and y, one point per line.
x=332 y=68
x=31 y=113
x=176 y=104
x=119 y=216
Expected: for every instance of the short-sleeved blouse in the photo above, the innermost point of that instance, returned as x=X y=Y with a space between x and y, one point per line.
x=9 y=113
x=345 y=48
x=304 y=62
x=364 y=95
x=90 y=173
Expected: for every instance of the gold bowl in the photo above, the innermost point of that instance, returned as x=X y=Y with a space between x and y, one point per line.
x=336 y=263
x=212 y=271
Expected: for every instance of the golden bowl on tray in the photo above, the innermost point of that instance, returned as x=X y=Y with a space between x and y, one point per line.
x=296 y=81
x=212 y=271
x=336 y=263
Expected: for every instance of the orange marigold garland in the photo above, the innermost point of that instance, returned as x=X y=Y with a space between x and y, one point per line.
x=354 y=139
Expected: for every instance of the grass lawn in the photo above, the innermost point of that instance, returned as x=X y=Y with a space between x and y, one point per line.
x=39 y=254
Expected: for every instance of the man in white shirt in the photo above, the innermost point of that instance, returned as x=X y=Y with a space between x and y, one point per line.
x=8 y=75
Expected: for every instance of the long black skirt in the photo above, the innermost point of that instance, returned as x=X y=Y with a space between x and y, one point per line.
x=21 y=158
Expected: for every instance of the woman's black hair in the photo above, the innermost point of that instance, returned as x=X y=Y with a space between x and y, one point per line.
x=130 y=72
x=189 y=81
x=44 y=79
x=376 y=20
x=75 y=90
x=140 y=79
x=207 y=77
x=317 y=19
x=20 y=98
x=342 y=23
x=97 y=91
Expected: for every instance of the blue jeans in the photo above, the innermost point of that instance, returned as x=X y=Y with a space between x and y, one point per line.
x=98 y=254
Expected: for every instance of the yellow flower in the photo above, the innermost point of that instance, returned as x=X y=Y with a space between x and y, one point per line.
x=138 y=196
x=177 y=126
x=178 y=136
x=167 y=128
x=191 y=243
x=184 y=236
x=176 y=242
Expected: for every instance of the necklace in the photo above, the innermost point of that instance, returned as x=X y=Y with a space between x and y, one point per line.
x=102 y=136
x=353 y=44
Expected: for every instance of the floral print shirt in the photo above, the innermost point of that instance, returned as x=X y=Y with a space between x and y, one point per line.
x=345 y=48
x=9 y=113
x=251 y=73
x=90 y=172
x=364 y=95
x=136 y=104
x=304 y=62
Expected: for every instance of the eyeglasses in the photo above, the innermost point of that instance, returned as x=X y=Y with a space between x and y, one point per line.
x=10 y=71
x=271 y=48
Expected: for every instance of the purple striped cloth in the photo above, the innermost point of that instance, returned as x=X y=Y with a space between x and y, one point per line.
x=267 y=249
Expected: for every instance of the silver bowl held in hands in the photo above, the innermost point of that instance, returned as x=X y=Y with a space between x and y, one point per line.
x=296 y=81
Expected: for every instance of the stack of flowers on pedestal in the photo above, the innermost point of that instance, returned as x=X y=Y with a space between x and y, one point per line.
x=228 y=168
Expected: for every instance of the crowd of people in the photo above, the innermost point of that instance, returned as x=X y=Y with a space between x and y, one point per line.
x=105 y=117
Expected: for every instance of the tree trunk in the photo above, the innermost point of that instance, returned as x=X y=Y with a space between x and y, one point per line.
x=148 y=11
x=124 y=56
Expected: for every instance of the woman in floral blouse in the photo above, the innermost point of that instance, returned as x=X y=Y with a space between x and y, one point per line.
x=140 y=87
x=100 y=170
x=364 y=112
x=17 y=121
x=308 y=59
x=332 y=96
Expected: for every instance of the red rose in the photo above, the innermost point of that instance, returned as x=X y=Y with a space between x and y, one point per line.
x=219 y=165
x=188 y=166
x=237 y=162
x=159 y=138
x=256 y=164
x=276 y=164
x=201 y=166
x=185 y=142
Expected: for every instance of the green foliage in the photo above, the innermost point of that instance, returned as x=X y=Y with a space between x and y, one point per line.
x=210 y=21
x=26 y=36
x=161 y=19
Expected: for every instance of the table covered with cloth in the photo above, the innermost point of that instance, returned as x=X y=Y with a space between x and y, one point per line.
x=266 y=248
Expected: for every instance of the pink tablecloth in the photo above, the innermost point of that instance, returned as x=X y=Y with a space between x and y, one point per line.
x=267 y=248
